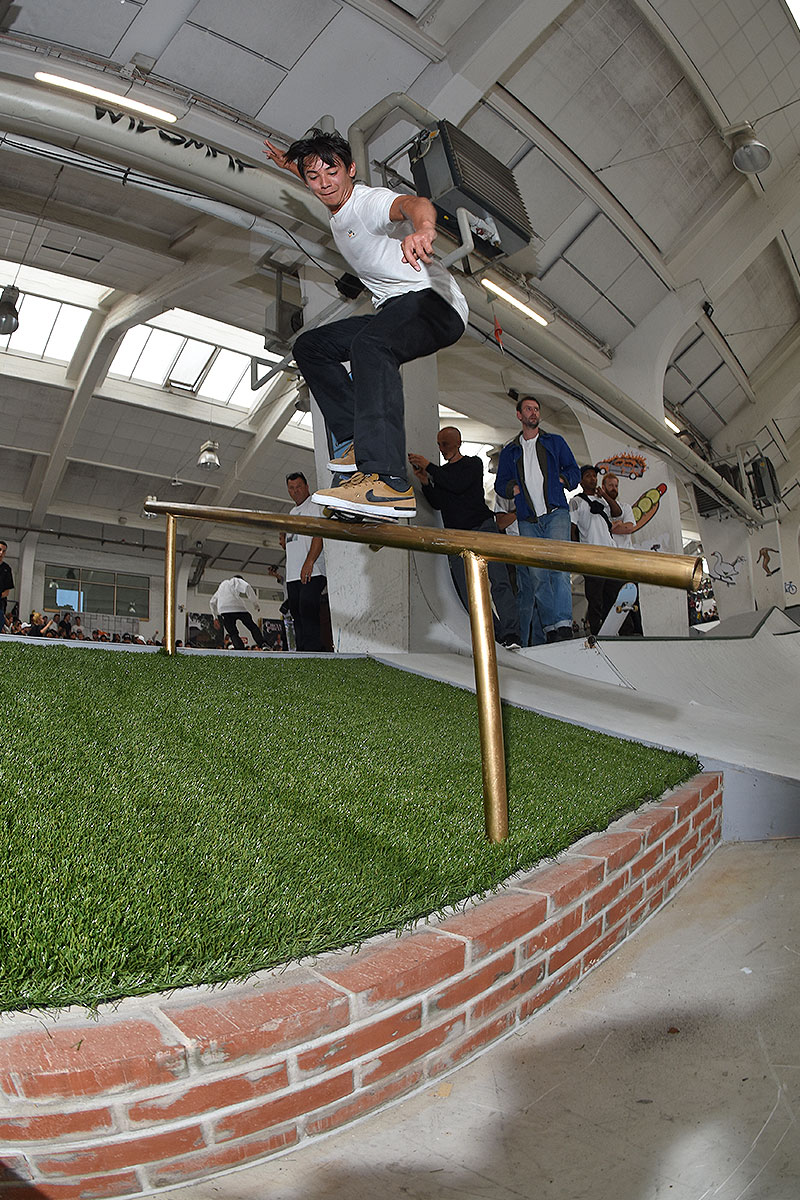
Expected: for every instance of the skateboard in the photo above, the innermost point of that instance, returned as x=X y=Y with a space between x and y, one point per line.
x=354 y=518
x=624 y=603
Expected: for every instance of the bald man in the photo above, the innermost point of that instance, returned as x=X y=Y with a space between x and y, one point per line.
x=456 y=490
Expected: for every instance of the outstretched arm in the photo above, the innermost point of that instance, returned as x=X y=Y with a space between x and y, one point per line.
x=276 y=155
x=422 y=215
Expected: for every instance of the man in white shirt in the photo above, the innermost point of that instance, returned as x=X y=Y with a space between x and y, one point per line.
x=591 y=523
x=305 y=570
x=622 y=526
x=387 y=238
x=230 y=604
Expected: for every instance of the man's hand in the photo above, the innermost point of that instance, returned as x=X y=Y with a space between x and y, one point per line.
x=419 y=245
x=420 y=465
x=307 y=570
x=278 y=156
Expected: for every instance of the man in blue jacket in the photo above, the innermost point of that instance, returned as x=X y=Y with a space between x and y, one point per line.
x=533 y=470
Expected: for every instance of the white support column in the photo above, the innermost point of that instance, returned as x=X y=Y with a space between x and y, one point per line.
x=24 y=582
x=638 y=368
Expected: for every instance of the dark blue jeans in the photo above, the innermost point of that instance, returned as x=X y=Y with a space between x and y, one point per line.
x=552 y=590
x=368 y=408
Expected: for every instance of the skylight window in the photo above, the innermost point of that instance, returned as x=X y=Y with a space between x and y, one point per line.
x=47 y=329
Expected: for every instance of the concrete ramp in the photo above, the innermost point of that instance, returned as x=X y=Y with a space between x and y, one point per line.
x=733 y=702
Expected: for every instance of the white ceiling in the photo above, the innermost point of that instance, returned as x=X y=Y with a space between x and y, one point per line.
x=609 y=111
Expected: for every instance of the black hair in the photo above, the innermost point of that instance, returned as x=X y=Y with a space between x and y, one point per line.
x=2 y=543
x=588 y=467
x=330 y=147
x=297 y=475
x=525 y=397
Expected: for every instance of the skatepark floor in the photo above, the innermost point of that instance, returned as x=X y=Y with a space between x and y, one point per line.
x=673 y=1070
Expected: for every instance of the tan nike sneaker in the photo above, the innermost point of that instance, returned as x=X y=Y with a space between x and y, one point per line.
x=369 y=496
x=345 y=463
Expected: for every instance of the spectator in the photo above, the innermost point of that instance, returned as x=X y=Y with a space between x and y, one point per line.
x=6 y=582
x=306 y=581
x=230 y=604
x=456 y=490
x=591 y=523
x=533 y=470
x=39 y=625
x=622 y=526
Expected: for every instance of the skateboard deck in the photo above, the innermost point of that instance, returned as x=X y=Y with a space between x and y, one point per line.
x=354 y=518
x=624 y=603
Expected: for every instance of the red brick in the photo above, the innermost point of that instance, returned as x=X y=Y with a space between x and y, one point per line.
x=615 y=912
x=676 y=837
x=661 y=873
x=702 y=814
x=654 y=823
x=361 y=1041
x=472 y=985
x=367 y=1101
x=604 y=895
x=689 y=845
x=646 y=862
x=616 y=848
x=544 y=995
x=49 y=1126
x=397 y=970
x=116 y=1154
x=508 y=992
x=574 y=947
x=217 y=1158
x=603 y=947
x=283 y=1109
x=566 y=881
x=124 y=1183
x=208 y=1097
x=93 y=1058
x=498 y=921
x=227 y=1027
x=686 y=799
x=456 y=1051
x=552 y=934
x=710 y=782
x=411 y=1051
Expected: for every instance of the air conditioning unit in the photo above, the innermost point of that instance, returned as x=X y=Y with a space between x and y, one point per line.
x=708 y=503
x=455 y=171
x=765 y=482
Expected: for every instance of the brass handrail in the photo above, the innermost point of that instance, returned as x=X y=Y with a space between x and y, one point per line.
x=644 y=566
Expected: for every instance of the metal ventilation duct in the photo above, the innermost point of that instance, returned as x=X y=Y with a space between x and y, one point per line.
x=455 y=171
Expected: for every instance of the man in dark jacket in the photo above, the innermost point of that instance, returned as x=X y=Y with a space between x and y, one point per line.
x=456 y=489
x=533 y=470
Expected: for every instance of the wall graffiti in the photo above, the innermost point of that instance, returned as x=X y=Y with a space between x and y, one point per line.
x=631 y=466
x=646 y=506
x=764 y=558
x=725 y=572
x=137 y=126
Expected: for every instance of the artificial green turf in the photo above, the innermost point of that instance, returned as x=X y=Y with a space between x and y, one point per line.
x=169 y=822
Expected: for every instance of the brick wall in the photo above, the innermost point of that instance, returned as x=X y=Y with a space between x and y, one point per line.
x=169 y=1088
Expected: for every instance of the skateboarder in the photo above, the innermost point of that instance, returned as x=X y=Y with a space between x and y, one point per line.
x=387 y=239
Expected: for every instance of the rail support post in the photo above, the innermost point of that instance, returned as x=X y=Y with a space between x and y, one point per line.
x=169 y=584
x=487 y=686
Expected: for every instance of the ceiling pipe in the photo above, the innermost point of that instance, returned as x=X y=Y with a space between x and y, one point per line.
x=28 y=110
x=361 y=131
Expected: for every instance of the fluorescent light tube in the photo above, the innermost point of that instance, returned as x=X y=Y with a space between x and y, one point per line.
x=512 y=300
x=671 y=425
x=113 y=98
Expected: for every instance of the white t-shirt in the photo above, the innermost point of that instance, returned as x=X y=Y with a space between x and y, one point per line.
x=366 y=236
x=233 y=595
x=591 y=526
x=299 y=544
x=534 y=480
x=624 y=540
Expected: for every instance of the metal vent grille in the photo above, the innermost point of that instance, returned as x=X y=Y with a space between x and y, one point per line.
x=454 y=171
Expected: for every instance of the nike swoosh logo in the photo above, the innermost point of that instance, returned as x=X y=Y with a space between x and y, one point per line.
x=391 y=498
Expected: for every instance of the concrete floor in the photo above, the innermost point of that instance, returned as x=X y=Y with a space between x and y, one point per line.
x=672 y=1071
